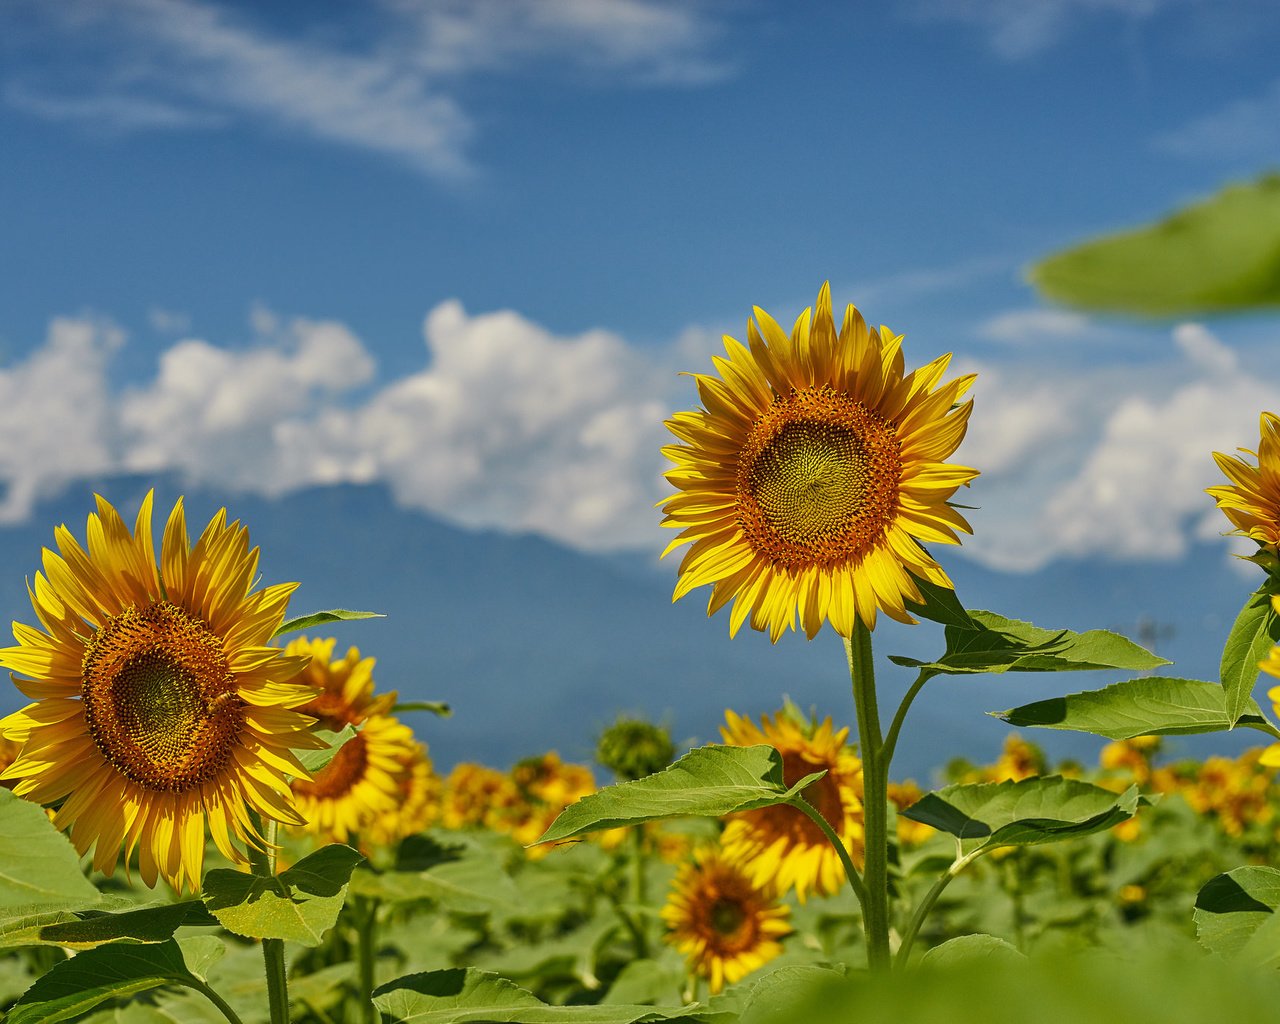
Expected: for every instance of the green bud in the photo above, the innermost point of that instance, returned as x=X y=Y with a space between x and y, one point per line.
x=632 y=748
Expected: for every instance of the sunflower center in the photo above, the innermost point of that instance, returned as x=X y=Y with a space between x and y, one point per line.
x=817 y=480
x=159 y=697
x=337 y=778
x=726 y=916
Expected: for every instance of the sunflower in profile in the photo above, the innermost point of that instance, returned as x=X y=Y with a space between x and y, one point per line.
x=1252 y=500
x=725 y=924
x=814 y=473
x=781 y=845
x=159 y=707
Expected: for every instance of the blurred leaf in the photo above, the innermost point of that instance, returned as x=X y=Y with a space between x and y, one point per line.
x=315 y=760
x=298 y=905
x=322 y=618
x=75 y=986
x=1152 y=705
x=773 y=997
x=965 y=949
x=994 y=643
x=39 y=868
x=1044 y=809
x=473 y=884
x=647 y=982
x=436 y=707
x=711 y=781
x=1236 y=912
x=1217 y=255
x=468 y=995
x=1255 y=630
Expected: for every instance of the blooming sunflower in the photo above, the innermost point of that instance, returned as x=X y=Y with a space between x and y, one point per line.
x=813 y=474
x=359 y=784
x=1271 y=665
x=158 y=705
x=417 y=806
x=780 y=845
x=725 y=925
x=345 y=688
x=1252 y=500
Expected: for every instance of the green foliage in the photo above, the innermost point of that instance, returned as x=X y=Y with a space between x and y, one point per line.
x=994 y=643
x=438 y=708
x=1255 y=630
x=323 y=618
x=39 y=869
x=459 y=877
x=316 y=760
x=1149 y=706
x=1236 y=915
x=1217 y=255
x=299 y=905
x=712 y=781
x=632 y=748
x=1037 y=810
x=964 y=950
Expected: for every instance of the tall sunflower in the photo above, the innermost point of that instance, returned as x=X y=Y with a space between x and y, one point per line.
x=780 y=845
x=813 y=474
x=725 y=925
x=1252 y=500
x=159 y=706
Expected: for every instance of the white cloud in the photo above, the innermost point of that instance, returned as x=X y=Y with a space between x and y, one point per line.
x=168 y=321
x=195 y=63
x=1248 y=127
x=1018 y=326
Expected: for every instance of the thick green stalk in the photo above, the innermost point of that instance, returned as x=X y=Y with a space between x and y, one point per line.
x=638 y=893
x=366 y=913
x=875 y=782
x=263 y=863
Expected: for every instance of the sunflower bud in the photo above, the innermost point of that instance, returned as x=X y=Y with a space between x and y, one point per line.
x=632 y=748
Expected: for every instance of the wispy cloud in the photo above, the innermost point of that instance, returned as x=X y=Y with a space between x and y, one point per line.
x=1248 y=127
x=171 y=64
x=1022 y=326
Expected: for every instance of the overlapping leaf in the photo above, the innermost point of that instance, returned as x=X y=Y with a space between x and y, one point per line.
x=1255 y=630
x=1236 y=915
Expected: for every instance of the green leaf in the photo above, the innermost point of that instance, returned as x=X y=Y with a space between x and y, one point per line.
x=1256 y=630
x=316 y=760
x=995 y=644
x=76 y=986
x=298 y=905
x=469 y=885
x=940 y=604
x=323 y=618
x=435 y=707
x=462 y=995
x=1216 y=255
x=1037 y=810
x=963 y=950
x=1149 y=706
x=149 y=924
x=1235 y=915
x=711 y=781
x=39 y=868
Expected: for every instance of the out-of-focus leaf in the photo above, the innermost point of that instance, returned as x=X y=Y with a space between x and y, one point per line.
x=39 y=868
x=1236 y=915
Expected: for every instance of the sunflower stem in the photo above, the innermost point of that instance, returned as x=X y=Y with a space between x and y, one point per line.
x=875 y=783
x=263 y=862
x=895 y=727
x=638 y=892
x=217 y=1000
x=851 y=872
x=926 y=904
x=366 y=911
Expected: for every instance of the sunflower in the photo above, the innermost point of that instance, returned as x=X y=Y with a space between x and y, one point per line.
x=1271 y=665
x=158 y=705
x=780 y=844
x=359 y=784
x=725 y=924
x=814 y=473
x=418 y=803
x=345 y=688
x=1252 y=500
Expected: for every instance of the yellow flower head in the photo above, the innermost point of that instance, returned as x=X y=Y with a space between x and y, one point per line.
x=361 y=783
x=477 y=795
x=159 y=706
x=780 y=845
x=418 y=804
x=344 y=689
x=1252 y=500
x=902 y=795
x=725 y=925
x=814 y=473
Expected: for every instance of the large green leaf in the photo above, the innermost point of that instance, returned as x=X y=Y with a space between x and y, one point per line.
x=1149 y=706
x=1217 y=255
x=93 y=928
x=1025 y=813
x=994 y=643
x=39 y=869
x=459 y=995
x=75 y=986
x=298 y=905
x=323 y=618
x=1256 y=629
x=711 y=781
x=940 y=604
x=1236 y=915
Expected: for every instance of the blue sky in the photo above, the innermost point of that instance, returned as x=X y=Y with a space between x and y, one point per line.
x=463 y=248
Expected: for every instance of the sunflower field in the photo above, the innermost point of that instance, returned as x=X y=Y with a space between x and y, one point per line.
x=210 y=813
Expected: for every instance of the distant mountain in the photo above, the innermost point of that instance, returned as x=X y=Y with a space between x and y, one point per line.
x=537 y=646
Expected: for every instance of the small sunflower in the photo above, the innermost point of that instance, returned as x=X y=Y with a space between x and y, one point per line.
x=159 y=706
x=1252 y=500
x=813 y=475
x=345 y=688
x=361 y=783
x=780 y=845
x=724 y=924
x=475 y=794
